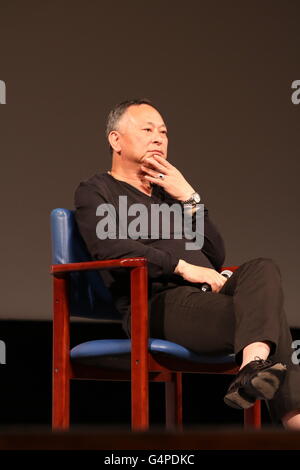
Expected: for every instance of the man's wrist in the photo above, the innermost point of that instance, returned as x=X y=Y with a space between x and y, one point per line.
x=192 y=200
x=180 y=267
x=186 y=195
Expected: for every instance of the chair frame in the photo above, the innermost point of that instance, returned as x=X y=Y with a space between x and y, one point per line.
x=144 y=366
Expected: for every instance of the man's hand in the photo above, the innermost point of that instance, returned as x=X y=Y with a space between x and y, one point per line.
x=193 y=273
x=174 y=182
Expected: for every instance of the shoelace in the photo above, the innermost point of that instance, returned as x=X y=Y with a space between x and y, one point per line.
x=259 y=363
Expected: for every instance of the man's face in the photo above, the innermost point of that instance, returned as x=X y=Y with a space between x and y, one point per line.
x=142 y=133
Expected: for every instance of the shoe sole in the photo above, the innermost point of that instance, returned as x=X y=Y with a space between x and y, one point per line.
x=262 y=387
x=238 y=401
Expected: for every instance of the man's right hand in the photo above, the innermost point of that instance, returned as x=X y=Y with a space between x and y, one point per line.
x=200 y=274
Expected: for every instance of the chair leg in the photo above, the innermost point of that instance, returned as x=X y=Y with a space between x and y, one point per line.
x=173 y=394
x=252 y=416
x=61 y=357
x=139 y=350
x=61 y=400
x=139 y=397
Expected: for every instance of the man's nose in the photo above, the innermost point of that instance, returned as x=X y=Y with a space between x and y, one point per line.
x=157 y=137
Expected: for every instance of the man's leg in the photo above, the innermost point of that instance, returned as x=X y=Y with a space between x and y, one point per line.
x=247 y=310
x=262 y=277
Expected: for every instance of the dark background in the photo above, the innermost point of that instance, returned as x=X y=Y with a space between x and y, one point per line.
x=221 y=73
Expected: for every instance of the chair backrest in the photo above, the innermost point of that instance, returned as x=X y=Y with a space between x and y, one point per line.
x=88 y=295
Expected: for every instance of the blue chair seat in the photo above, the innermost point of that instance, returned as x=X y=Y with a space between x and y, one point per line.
x=106 y=352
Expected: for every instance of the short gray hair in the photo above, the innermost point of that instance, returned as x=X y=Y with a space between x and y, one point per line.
x=117 y=112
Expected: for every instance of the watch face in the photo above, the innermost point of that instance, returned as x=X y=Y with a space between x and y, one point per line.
x=197 y=198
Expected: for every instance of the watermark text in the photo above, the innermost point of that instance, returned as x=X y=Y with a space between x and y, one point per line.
x=296 y=94
x=2 y=92
x=137 y=222
x=2 y=352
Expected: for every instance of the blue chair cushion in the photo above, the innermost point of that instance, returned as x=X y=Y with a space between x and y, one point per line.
x=106 y=352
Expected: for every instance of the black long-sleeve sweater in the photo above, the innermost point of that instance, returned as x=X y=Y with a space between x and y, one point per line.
x=162 y=254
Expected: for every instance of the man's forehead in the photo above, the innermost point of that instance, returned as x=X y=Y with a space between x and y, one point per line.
x=144 y=114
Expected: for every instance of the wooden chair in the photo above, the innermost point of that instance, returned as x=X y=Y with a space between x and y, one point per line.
x=78 y=289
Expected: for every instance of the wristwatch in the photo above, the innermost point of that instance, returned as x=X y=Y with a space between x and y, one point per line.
x=193 y=200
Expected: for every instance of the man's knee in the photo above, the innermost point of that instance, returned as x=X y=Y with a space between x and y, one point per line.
x=267 y=263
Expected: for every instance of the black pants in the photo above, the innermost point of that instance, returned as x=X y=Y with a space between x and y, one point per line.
x=248 y=308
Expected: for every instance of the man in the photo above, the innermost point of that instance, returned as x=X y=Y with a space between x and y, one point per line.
x=243 y=314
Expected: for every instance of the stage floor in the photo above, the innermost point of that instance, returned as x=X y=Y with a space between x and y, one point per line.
x=95 y=438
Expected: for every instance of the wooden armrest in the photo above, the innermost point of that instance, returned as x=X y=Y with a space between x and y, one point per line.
x=231 y=268
x=93 y=265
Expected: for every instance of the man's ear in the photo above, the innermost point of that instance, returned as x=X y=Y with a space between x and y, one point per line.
x=114 y=140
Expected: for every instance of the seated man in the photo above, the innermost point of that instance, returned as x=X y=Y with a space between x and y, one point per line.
x=242 y=314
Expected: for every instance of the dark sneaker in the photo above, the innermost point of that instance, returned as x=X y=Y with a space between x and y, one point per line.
x=260 y=379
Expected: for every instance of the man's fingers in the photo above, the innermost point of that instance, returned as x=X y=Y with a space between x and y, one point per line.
x=163 y=161
x=216 y=288
x=154 y=164
x=149 y=171
x=155 y=180
x=154 y=173
x=218 y=283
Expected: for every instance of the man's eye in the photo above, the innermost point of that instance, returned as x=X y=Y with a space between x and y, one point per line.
x=147 y=129
x=164 y=132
